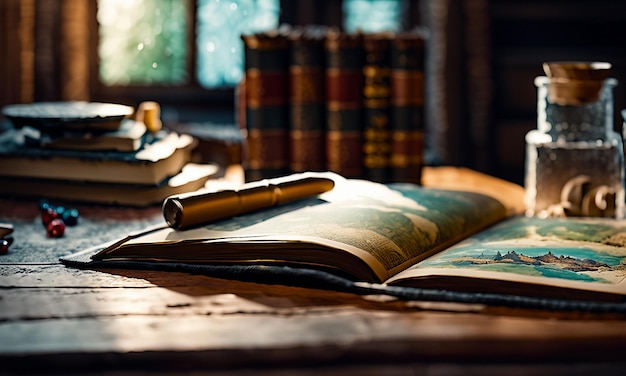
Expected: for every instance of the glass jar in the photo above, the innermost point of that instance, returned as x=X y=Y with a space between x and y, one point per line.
x=574 y=159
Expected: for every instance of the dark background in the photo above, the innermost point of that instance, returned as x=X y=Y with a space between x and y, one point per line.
x=483 y=56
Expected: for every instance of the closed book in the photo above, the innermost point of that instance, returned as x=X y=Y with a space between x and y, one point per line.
x=407 y=107
x=161 y=156
x=344 y=103
x=307 y=108
x=219 y=143
x=129 y=137
x=191 y=178
x=376 y=107
x=52 y=117
x=267 y=93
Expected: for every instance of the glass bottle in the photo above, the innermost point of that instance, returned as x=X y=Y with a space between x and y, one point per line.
x=575 y=159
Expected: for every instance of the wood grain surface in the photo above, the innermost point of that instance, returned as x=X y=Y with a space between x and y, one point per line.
x=55 y=319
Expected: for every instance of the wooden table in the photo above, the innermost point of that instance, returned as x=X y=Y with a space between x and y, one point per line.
x=55 y=319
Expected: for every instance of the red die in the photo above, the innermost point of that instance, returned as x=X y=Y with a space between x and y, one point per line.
x=4 y=246
x=47 y=215
x=56 y=228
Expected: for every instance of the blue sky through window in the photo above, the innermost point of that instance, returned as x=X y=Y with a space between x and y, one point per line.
x=373 y=15
x=144 y=42
x=220 y=26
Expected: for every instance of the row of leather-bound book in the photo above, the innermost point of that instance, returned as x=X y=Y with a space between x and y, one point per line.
x=316 y=99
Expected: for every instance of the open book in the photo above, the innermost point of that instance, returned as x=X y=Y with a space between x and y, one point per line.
x=403 y=235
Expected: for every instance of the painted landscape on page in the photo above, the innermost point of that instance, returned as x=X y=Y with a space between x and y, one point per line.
x=394 y=224
x=583 y=250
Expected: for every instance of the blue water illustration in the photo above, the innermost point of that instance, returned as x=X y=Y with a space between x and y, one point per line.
x=573 y=250
x=531 y=270
x=491 y=251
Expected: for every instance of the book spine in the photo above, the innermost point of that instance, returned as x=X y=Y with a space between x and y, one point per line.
x=307 y=107
x=240 y=119
x=344 y=104
x=407 y=108
x=376 y=107
x=266 y=116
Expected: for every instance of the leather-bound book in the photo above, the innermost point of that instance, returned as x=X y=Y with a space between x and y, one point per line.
x=376 y=107
x=344 y=103
x=307 y=108
x=266 y=104
x=407 y=107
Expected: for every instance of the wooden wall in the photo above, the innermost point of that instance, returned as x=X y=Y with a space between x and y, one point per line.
x=17 y=18
x=524 y=34
x=483 y=56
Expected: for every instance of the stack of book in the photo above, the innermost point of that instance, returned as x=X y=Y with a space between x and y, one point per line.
x=95 y=152
x=318 y=99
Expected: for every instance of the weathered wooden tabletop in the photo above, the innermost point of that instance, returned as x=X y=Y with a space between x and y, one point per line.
x=55 y=319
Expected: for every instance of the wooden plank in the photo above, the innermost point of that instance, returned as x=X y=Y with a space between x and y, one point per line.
x=179 y=312
x=342 y=335
x=59 y=319
x=57 y=275
x=51 y=286
x=56 y=280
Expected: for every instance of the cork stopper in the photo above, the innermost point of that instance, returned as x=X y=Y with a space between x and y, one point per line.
x=149 y=113
x=575 y=83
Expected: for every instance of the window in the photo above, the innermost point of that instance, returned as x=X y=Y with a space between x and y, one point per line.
x=374 y=15
x=185 y=54
x=146 y=42
x=142 y=42
x=220 y=25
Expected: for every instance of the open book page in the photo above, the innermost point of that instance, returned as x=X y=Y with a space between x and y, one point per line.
x=367 y=230
x=568 y=258
x=464 y=179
